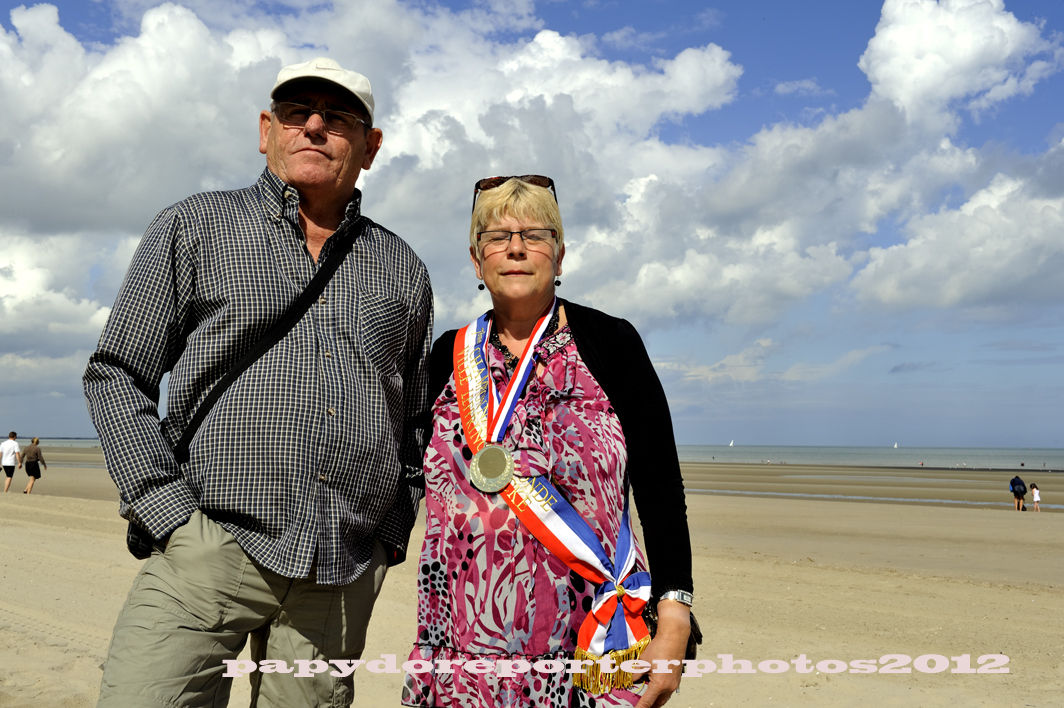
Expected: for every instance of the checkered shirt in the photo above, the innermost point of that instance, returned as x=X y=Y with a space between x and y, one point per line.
x=315 y=451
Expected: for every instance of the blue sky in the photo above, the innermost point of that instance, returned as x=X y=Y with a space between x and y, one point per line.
x=834 y=223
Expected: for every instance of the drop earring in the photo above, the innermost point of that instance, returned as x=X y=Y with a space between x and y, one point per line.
x=480 y=286
x=557 y=282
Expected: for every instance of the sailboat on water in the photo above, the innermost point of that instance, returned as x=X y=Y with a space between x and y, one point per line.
x=732 y=444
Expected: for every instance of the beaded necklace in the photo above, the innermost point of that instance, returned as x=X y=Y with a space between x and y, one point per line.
x=511 y=360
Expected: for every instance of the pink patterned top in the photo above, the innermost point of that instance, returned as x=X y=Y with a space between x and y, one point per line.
x=487 y=589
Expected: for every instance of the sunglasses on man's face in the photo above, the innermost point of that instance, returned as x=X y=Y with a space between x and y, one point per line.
x=487 y=183
x=296 y=115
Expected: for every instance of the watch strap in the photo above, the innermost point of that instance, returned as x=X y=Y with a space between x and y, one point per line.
x=681 y=596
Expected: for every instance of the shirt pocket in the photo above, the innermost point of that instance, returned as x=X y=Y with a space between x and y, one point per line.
x=382 y=328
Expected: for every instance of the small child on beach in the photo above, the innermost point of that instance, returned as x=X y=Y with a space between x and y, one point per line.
x=1036 y=495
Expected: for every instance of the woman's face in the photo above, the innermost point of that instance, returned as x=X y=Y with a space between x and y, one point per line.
x=519 y=273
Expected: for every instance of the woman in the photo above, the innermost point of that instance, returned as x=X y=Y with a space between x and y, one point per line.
x=33 y=459
x=495 y=582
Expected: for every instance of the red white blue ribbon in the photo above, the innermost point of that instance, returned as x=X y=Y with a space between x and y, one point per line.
x=501 y=408
x=615 y=622
x=485 y=414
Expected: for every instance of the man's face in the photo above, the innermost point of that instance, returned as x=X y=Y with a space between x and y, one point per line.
x=317 y=162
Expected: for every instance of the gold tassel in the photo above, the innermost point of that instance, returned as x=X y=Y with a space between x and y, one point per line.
x=594 y=681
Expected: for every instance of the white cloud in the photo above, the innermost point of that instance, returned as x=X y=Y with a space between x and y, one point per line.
x=927 y=54
x=609 y=102
x=748 y=366
x=709 y=18
x=122 y=132
x=745 y=367
x=819 y=372
x=36 y=376
x=802 y=87
x=629 y=38
x=775 y=227
x=43 y=305
x=1001 y=248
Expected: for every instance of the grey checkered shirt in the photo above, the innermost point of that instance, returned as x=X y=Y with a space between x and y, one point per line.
x=314 y=453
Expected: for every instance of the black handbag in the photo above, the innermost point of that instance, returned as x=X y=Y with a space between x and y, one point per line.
x=139 y=540
x=650 y=617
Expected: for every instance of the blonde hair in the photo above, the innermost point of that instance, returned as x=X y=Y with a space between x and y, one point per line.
x=35 y=441
x=520 y=200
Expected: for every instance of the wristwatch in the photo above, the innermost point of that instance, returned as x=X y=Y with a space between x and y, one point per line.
x=681 y=596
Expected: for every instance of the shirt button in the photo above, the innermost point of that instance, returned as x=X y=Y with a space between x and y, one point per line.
x=328 y=355
x=321 y=300
x=331 y=411
x=322 y=478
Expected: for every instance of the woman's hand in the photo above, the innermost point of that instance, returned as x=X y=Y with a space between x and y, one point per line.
x=669 y=644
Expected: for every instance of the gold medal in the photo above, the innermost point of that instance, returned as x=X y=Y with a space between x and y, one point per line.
x=491 y=469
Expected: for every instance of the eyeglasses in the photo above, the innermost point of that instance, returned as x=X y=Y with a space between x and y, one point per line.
x=493 y=182
x=297 y=114
x=492 y=242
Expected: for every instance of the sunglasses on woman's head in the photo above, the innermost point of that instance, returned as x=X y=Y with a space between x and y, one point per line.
x=487 y=183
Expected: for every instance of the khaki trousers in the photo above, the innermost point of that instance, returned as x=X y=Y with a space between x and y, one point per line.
x=195 y=605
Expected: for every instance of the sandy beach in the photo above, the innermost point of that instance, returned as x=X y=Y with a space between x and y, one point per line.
x=835 y=569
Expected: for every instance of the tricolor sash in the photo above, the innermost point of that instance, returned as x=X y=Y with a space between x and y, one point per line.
x=614 y=626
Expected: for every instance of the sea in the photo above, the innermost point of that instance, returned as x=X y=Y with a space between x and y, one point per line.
x=981 y=458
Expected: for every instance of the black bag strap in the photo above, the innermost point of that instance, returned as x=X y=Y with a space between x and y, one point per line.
x=277 y=331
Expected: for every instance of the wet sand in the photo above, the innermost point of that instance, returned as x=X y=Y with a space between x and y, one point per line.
x=908 y=485
x=780 y=581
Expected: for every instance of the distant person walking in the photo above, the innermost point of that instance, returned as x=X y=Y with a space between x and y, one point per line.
x=1019 y=491
x=1036 y=496
x=10 y=455
x=33 y=459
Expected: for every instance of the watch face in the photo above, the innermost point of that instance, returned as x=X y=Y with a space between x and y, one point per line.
x=681 y=596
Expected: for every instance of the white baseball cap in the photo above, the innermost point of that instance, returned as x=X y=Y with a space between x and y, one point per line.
x=328 y=70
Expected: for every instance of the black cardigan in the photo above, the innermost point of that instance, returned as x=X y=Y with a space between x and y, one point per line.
x=617 y=359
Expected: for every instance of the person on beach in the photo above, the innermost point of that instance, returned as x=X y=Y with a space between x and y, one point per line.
x=32 y=458
x=1019 y=491
x=543 y=404
x=1036 y=496
x=289 y=549
x=10 y=456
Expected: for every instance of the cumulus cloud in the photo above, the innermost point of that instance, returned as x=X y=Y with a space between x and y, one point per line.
x=40 y=376
x=44 y=306
x=115 y=134
x=928 y=54
x=669 y=232
x=1001 y=248
x=611 y=100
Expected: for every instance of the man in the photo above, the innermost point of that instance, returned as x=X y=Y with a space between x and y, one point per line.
x=10 y=455
x=302 y=482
